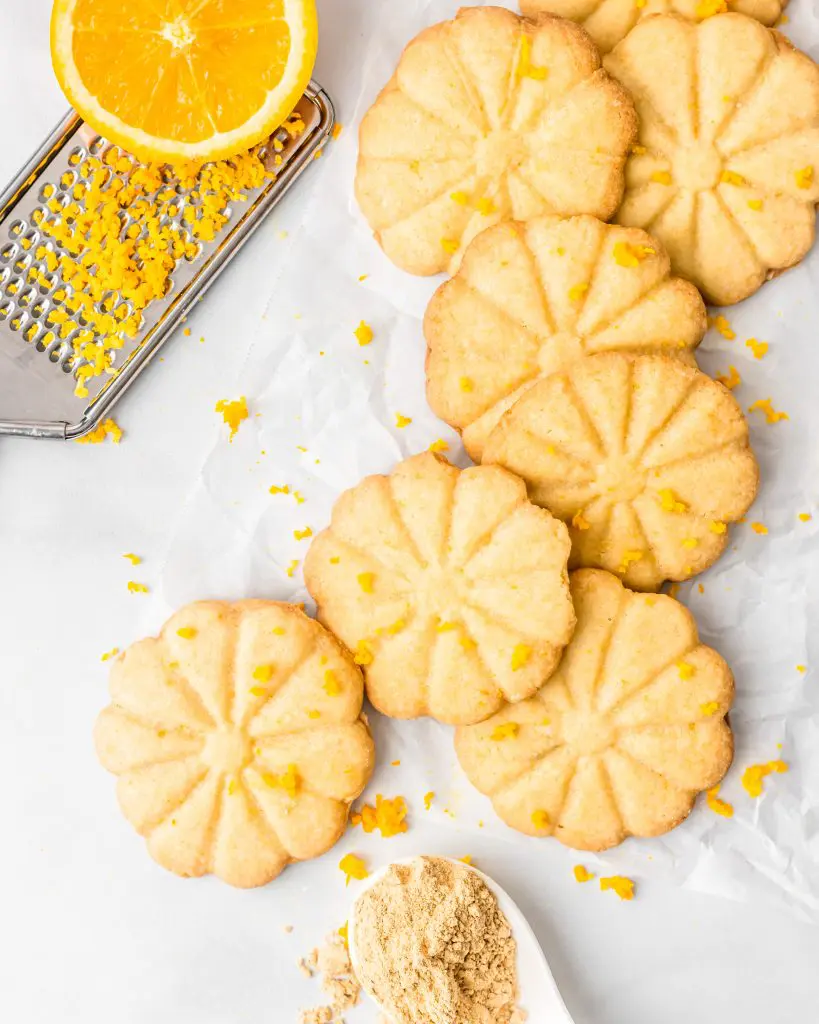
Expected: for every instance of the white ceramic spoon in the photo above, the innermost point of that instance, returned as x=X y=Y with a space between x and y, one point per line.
x=539 y=994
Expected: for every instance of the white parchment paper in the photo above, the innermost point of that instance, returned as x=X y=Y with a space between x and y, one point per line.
x=322 y=415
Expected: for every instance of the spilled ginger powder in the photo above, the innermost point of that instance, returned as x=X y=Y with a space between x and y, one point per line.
x=433 y=947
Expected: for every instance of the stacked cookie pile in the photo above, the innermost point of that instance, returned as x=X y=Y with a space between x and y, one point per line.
x=583 y=209
x=562 y=347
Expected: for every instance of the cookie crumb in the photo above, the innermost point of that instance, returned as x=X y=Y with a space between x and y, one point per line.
x=338 y=981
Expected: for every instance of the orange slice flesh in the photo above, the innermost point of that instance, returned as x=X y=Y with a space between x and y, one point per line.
x=184 y=79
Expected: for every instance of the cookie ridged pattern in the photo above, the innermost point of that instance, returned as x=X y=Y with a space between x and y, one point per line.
x=625 y=734
x=234 y=754
x=646 y=459
x=450 y=586
x=610 y=21
x=531 y=299
x=488 y=117
x=725 y=172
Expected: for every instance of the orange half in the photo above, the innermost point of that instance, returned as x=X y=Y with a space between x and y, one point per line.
x=180 y=80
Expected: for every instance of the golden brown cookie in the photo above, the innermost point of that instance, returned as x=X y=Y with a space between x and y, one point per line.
x=726 y=168
x=645 y=458
x=530 y=299
x=489 y=116
x=449 y=586
x=237 y=738
x=625 y=734
x=609 y=21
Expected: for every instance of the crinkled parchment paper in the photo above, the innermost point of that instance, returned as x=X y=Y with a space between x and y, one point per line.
x=322 y=415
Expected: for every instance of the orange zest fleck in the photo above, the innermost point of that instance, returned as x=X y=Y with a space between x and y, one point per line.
x=628 y=558
x=365 y=581
x=804 y=177
x=428 y=798
x=233 y=413
x=628 y=255
x=580 y=522
x=264 y=673
x=662 y=177
x=708 y=8
x=303 y=534
x=581 y=874
x=110 y=654
x=507 y=731
x=363 y=334
x=520 y=656
x=137 y=588
x=289 y=780
x=439 y=446
x=760 y=528
x=108 y=428
x=332 y=687
x=765 y=406
x=670 y=502
x=723 y=326
x=685 y=669
x=353 y=867
x=402 y=421
x=759 y=348
x=525 y=67
x=752 y=777
x=388 y=816
x=186 y=632
x=133 y=559
x=541 y=820
x=718 y=806
x=710 y=708
x=731 y=379
x=363 y=653
x=624 y=887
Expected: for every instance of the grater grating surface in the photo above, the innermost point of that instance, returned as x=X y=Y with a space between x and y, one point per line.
x=44 y=390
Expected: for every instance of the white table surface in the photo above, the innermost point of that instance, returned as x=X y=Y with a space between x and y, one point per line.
x=91 y=931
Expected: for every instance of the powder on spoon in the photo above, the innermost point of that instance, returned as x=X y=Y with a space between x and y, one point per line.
x=433 y=947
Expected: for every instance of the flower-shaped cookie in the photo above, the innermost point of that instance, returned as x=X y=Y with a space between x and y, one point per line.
x=450 y=587
x=726 y=169
x=609 y=21
x=529 y=299
x=237 y=738
x=623 y=736
x=489 y=116
x=647 y=460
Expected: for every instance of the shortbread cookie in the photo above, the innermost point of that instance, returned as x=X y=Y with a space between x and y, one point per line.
x=625 y=734
x=609 y=21
x=450 y=587
x=726 y=169
x=489 y=116
x=237 y=738
x=647 y=460
x=530 y=299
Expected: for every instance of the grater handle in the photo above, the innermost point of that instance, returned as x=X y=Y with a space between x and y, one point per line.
x=33 y=428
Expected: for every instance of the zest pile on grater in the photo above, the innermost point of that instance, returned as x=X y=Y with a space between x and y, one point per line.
x=69 y=345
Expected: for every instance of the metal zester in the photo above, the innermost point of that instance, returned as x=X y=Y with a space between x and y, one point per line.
x=38 y=371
